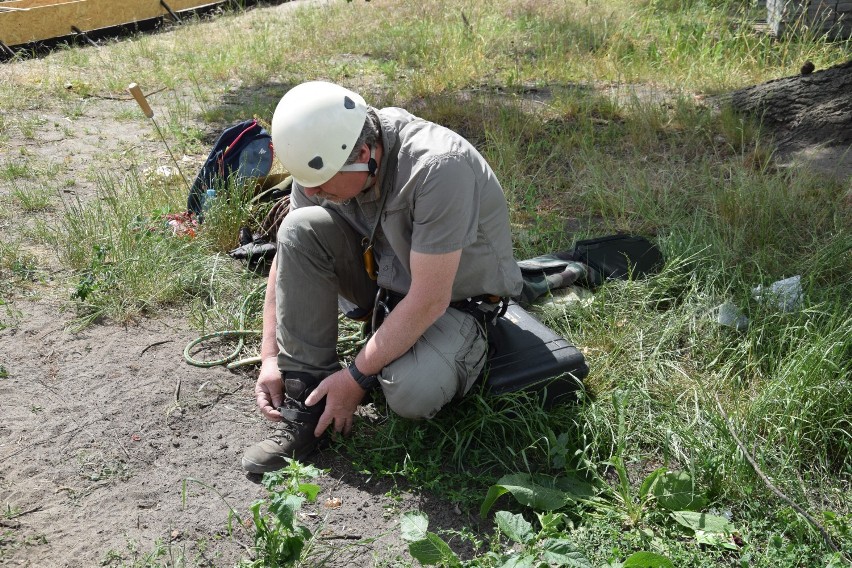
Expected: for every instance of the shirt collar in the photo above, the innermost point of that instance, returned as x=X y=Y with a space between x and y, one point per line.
x=389 y=138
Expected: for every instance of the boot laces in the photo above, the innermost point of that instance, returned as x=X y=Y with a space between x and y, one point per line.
x=288 y=426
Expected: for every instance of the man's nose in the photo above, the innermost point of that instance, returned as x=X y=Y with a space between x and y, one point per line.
x=311 y=191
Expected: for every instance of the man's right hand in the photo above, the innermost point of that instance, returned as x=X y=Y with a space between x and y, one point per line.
x=269 y=389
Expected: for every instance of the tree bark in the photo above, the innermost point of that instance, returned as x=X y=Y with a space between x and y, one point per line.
x=812 y=108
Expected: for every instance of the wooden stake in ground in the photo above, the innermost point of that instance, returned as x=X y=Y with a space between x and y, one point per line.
x=137 y=93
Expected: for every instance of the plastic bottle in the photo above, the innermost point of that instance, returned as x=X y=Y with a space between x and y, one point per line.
x=207 y=201
x=208 y=198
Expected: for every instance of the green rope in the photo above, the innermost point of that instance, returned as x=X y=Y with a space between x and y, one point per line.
x=241 y=333
x=227 y=360
x=347 y=345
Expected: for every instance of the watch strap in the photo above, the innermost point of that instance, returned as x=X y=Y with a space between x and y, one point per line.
x=366 y=382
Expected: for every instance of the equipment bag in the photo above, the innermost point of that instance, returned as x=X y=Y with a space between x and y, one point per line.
x=591 y=263
x=617 y=257
x=258 y=249
x=243 y=151
x=526 y=355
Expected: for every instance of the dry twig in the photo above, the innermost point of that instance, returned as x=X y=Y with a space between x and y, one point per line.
x=813 y=522
x=27 y=512
x=154 y=345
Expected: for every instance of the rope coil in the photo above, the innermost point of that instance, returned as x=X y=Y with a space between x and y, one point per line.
x=347 y=345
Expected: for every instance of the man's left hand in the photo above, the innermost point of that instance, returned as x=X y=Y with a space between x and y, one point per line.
x=342 y=398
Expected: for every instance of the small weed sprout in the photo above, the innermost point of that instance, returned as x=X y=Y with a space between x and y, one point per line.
x=279 y=539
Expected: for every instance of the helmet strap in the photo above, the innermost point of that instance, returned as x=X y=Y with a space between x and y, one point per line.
x=371 y=166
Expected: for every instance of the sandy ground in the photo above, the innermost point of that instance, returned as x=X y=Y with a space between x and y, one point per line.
x=100 y=429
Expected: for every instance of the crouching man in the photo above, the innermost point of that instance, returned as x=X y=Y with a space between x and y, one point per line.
x=433 y=216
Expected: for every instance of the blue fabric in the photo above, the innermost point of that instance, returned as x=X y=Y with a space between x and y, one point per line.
x=243 y=151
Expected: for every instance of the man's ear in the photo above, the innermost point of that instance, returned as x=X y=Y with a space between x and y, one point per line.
x=367 y=155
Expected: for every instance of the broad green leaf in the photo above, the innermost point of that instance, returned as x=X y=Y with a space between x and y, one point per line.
x=538 y=492
x=676 y=491
x=284 y=507
x=575 y=487
x=715 y=539
x=562 y=552
x=550 y=521
x=514 y=526
x=518 y=561
x=647 y=560
x=494 y=493
x=311 y=490
x=703 y=522
x=413 y=525
x=538 y=497
x=432 y=550
x=646 y=532
x=649 y=482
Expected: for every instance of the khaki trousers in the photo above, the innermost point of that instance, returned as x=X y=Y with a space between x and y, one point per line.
x=319 y=258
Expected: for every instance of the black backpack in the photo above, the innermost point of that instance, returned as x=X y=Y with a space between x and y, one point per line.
x=591 y=263
x=617 y=257
x=243 y=151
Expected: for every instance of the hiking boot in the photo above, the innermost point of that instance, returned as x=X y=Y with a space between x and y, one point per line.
x=294 y=435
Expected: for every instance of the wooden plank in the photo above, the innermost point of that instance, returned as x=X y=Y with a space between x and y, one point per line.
x=26 y=4
x=183 y=5
x=36 y=20
x=128 y=6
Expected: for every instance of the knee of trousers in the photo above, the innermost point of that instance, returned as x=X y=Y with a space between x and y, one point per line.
x=417 y=393
x=304 y=225
x=442 y=365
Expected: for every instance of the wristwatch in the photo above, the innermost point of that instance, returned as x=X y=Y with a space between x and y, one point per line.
x=366 y=382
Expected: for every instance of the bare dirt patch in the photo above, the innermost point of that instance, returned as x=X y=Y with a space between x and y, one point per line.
x=100 y=429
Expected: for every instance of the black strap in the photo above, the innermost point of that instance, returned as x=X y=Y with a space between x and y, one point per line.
x=295 y=413
x=485 y=308
x=387 y=184
x=366 y=382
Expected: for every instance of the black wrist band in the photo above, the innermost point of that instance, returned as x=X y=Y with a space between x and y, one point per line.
x=366 y=382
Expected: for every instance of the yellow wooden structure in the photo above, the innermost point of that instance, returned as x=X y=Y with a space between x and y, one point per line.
x=25 y=21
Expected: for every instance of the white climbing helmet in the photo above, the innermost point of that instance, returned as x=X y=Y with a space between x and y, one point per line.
x=314 y=128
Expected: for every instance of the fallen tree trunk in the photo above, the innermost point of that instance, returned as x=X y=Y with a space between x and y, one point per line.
x=810 y=108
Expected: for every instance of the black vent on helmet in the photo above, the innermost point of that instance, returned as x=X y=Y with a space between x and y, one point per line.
x=316 y=163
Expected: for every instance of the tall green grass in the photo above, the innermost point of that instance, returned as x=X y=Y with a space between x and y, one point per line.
x=127 y=261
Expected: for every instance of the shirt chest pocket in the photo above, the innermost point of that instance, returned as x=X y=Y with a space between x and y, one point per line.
x=394 y=248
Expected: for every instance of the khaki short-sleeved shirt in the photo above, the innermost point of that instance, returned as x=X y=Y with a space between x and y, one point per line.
x=444 y=198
